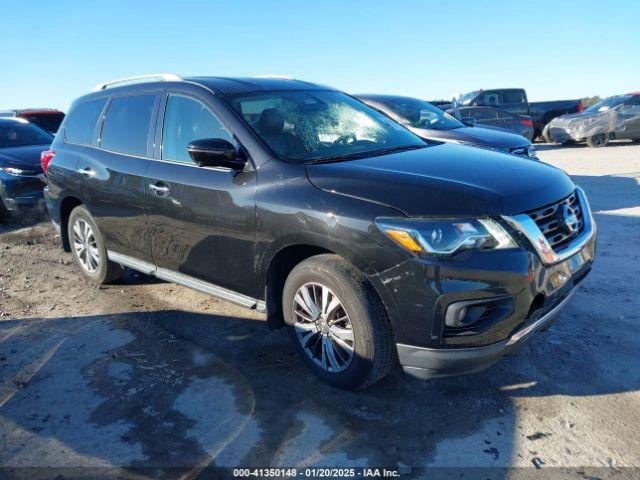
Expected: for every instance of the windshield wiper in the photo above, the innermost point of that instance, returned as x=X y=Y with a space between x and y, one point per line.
x=368 y=153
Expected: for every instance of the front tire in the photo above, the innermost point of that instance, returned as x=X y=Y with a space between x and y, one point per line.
x=598 y=140
x=337 y=323
x=88 y=250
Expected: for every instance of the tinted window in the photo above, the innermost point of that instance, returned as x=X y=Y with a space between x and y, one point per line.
x=81 y=121
x=47 y=121
x=19 y=133
x=126 y=125
x=515 y=96
x=490 y=98
x=186 y=120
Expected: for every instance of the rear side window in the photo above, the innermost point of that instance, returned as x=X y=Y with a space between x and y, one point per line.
x=126 y=124
x=514 y=96
x=81 y=121
x=186 y=120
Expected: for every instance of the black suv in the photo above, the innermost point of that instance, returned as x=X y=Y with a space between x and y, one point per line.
x=369 y=245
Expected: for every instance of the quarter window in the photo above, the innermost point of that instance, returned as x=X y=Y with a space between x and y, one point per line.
x=81 y=121
x=126 y=125
x=186 y=120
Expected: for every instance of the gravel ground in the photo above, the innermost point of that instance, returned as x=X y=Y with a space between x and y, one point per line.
x=144 y=378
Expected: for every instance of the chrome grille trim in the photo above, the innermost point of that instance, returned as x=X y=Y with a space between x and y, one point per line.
x=547 y=221
x=525 y=224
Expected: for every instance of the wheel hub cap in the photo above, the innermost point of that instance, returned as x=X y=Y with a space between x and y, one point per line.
x=323 y=327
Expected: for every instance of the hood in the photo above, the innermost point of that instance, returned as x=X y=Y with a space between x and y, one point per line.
x=22 y=157
x=485 y=137
x=446 y=180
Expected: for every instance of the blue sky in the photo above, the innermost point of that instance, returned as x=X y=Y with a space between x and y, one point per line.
x=55 y=51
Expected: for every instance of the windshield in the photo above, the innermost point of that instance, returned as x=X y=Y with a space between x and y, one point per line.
x=19 y=133
x=607 y=103
x=467 y=98
x=303 y=126
x=421 y=114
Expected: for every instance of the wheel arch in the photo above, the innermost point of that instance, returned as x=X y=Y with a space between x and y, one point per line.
x=280 y=260
x=67 y=205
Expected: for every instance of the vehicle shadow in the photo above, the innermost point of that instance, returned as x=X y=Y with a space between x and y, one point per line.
x=22 y=219
x=178 y=394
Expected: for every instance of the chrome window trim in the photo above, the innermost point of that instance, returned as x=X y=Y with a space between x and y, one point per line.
x=525 y=225
x=187 y=281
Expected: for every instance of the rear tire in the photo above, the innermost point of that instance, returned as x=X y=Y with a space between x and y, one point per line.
x=88 y=250
x=598 y=140
x=355 y=318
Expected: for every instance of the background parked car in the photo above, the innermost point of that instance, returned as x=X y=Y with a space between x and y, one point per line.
x=21 y=144
x=515 y=100
x=616 y=117
x=48 y=119
x=493 y=117
x=432 y=123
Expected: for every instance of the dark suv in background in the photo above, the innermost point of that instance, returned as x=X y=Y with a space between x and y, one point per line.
x=368 y=244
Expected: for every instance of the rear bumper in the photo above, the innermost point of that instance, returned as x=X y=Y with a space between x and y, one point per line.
x=21 y=192
x=426 y=363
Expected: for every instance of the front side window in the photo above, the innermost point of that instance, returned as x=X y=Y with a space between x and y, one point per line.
x=186 y=120
x=303 y=126
x=81 y=121
x=126 y=124
x=20 y=133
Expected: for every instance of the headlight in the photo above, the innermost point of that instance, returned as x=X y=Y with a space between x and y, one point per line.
x=18 y=172
x=445 y=237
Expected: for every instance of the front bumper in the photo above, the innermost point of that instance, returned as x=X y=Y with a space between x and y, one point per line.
x=426 y=363
x=526 y=289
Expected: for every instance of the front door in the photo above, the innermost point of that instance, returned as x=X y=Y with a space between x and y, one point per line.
x=201 y=219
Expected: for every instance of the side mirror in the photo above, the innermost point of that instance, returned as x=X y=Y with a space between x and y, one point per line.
x=216 y=152
x=469 y=121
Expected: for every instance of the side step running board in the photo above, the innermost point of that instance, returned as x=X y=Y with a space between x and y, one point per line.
x=187 y=281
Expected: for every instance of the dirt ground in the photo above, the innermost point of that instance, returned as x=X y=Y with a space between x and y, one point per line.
x=145 y=378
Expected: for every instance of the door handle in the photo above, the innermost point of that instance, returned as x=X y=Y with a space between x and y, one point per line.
x=160 y=189
x=87 y=172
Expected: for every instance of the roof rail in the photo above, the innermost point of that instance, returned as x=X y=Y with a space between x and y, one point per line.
x=163 y=77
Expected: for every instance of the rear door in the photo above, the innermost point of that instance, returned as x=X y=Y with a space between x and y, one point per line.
x=201 y=218
x=114 y=187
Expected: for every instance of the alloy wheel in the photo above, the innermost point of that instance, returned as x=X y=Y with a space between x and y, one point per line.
x=323 y=327
x=86 y=248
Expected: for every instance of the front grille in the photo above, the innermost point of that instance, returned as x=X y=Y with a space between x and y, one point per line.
x=552 y=226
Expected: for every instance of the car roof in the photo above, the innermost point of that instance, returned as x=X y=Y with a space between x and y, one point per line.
x=383 y=97
x=13 y=120
x=234 y=85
